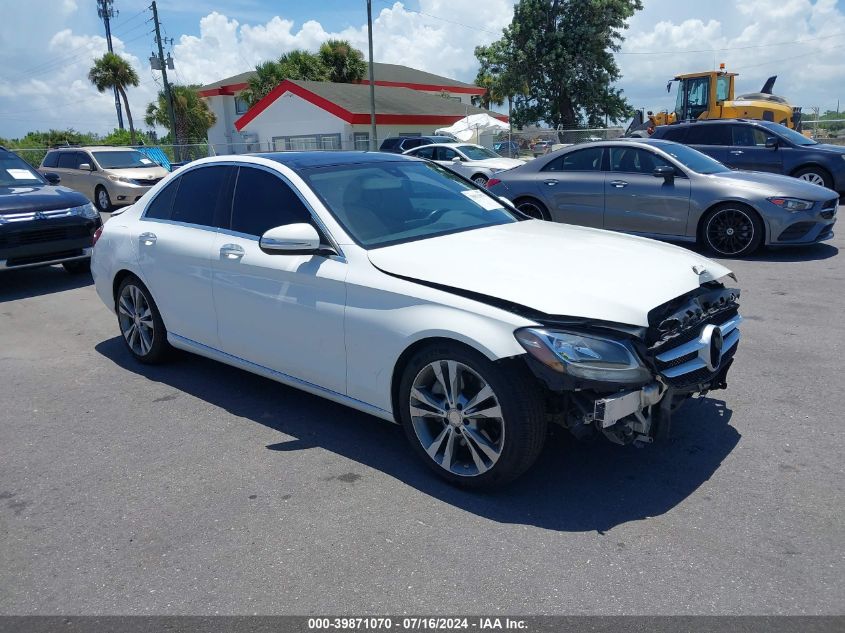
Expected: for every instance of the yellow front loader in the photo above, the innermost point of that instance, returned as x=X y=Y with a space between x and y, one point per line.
x=710 y=95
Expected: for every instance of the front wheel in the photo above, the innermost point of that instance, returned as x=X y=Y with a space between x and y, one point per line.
x=474 y=422
x=480 y=180
x=732 y=230
x=140 y=322
x=815 y=175
x=101 y=197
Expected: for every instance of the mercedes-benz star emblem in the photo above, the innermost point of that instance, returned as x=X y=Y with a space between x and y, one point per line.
x=711 y=351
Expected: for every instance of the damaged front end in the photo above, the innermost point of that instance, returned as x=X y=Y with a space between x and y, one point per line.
x=624 y=382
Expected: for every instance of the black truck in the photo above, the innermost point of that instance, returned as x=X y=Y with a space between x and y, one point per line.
x=40 y=223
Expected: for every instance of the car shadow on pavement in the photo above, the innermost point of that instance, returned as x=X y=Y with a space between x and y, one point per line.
x=34 y=282
x=573 y=487
x=809 y=253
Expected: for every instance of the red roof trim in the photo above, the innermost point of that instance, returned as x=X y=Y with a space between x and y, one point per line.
x=472 y=90
x=229 y=90
x=341 y=113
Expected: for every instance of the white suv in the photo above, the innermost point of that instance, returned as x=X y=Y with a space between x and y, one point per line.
x=393 y=286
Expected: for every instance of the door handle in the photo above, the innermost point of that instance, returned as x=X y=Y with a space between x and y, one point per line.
x=550 y=183
x=736 y=152
x=619 y=183
x=232 y=251
x=148 y=239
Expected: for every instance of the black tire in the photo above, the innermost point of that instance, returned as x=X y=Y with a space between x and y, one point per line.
x=533 y=208
x=480 y=180
x=731 y=230
x=522 y=415
x=815 y=175
x=101 y=199
x=78 y=267
x=157 y=348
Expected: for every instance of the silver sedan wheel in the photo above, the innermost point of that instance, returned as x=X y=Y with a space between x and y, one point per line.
x=812 y=177
x=481 y=181
x=457 y=418
x=136 y=319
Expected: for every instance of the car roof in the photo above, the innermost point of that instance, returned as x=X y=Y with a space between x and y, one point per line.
x=92 y=148
x=453 y=144
x=715 y=121
x=298 y=160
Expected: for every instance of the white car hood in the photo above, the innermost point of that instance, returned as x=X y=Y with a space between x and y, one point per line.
x=557 y=269
x=496 y=163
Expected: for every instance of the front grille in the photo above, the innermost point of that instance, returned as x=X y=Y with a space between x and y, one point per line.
x=796 y=231
x=39 y=236
x=682 y=360
x=147 y=182
x=47 y=257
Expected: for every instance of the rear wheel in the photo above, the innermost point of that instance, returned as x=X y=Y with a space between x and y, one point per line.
x=101 y=198
x=732 y=230
x=474 y=422
x=815 y=175
x=140 y=322
x=533 y=208
x=78 y=267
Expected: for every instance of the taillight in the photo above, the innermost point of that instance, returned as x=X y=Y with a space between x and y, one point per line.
x=493 y=181
x=97 y=235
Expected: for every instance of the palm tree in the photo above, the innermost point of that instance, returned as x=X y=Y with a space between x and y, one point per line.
x=112 y=71
x=193 y=118
x=345 y=63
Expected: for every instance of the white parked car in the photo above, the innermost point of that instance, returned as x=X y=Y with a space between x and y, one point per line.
x=393 y=286
x=475 y=162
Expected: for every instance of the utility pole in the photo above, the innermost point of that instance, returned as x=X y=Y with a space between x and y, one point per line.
x=372 y=78
x=167 y=94
x=105 y=11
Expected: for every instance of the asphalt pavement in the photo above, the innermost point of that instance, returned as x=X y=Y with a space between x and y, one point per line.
x=196 y=488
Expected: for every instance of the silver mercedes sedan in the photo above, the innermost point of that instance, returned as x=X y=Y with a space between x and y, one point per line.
x=667 y=190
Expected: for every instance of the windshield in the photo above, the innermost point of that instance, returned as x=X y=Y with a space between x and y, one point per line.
x=694 y=159
x=123 y=159
x=15 y=172
x=796 y=138
x=387 y=203
x=477 y=153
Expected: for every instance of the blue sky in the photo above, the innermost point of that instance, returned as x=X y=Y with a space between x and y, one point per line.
x=46 y=46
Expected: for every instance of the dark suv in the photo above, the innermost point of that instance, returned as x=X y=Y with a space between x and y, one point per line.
x=762 y=146
x=400 y=144
x=41 y=224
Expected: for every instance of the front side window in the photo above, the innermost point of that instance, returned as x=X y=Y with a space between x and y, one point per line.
x=199 y=195
x=477 y=153
x=69 y=160
x=634 y=160
x=748 y=136
x=379 y=204
x=263 y=201
x=15 y=172
x=122 y=159
x=581 y=160
x=427 y=151
x=790 y=135
x=446 y=153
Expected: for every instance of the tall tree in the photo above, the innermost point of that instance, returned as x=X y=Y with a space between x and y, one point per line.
x=193 y=118
x=297 y=64
x=556 y=61
x=112 y=71
x=344 y=63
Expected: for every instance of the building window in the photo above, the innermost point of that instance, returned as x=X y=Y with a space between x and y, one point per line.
x=361 y=141
x=306 y=142
x=241 y=106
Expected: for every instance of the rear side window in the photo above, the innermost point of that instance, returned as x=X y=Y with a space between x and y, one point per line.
x=162 y=206
x=582 y=160
x=413 y=142
x=675 y=133
x=389 y=143
x=51 y=159
x=708 y=135
x=263 y=201
x=199 y=196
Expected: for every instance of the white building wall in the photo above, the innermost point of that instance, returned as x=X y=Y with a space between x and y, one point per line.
x=294 y=119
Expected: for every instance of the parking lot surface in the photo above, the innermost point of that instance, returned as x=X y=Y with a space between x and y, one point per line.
x=196 y=488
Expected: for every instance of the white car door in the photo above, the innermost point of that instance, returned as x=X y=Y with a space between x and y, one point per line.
x=283 y=312
x=176 y=238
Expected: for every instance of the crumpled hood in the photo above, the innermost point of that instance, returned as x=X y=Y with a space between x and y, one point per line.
x=777 y=184
x=557 y=269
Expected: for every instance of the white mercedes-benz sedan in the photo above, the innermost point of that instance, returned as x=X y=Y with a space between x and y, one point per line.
x=394 y=286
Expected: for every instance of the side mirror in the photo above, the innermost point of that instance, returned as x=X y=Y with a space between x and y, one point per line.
x=53 y=178
x=772 y=142
x=290 y=239
x=85 y=167
x=664 y=171
x=456 y=159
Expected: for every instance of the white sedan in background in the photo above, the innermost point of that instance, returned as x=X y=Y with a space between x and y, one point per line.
x=393 y=286
x=475 y=162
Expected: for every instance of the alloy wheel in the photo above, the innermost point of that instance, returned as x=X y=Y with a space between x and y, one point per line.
x=136 y=319
x=812 y=177
x=730 y=231
x=532 y=209
x=457 y=418
x=103 y=200
x=481 y=181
